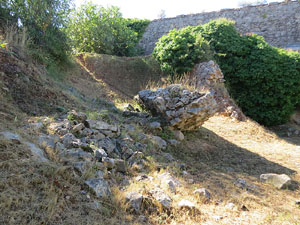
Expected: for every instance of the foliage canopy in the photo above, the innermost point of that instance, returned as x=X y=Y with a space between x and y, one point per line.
x=179 y=50
x=96 y=29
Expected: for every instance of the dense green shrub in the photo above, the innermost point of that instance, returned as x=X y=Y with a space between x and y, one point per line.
x=95 y=29
x=43 y=20
x=264 y=81
x=138 y=25
x=179 y=50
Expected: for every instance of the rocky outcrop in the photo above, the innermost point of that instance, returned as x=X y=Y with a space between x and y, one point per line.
x=207 y=76
x=181 y=108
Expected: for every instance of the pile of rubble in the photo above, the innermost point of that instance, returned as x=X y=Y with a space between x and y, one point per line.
x=181 y=108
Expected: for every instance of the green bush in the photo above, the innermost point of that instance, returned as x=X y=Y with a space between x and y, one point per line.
x=179 y=50
x=264 y=81
x=137 y=25
x=43 y=21
x=95 y=29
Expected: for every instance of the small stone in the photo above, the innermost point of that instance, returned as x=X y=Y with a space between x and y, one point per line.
x=108 y=162
x=159 y=142
x=78 y=127
x=178 y=135
x=77 y=116
x=68 y=140
x=161 y=197
x=168 y=157
x=37 y=126
x=99 y=154
x=135 y=158
x=134 y=200
x=37 y=152
x=203 y=192
x=99 y=186
x=186 y=204
x=155 y=126
x=171 y=186
x=59 y=147
x=298 y=202
x=279 y=181
x=173 y=142
x=129 y=107
x=11 y=137
x=241 y=183
x=81 y=167
x=120 y=165
x=230 y=206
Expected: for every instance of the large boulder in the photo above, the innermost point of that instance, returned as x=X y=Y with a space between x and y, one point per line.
x=208 y=76
x=280 y=181
x=181 y=108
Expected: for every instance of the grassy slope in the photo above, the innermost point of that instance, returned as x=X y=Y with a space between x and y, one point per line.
x=215 y=156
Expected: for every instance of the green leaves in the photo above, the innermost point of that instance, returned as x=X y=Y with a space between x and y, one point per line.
x=93 y=28
x=264 y=81
x=179 y=50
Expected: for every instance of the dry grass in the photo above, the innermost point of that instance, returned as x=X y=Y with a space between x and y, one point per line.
x=216 y=156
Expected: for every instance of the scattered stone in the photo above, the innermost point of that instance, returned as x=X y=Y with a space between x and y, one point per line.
x=134 y=200
x=135 y=158
x=99 y=154
x=168 y=157
x=102 y=126
x=230 y=206
x=81 y=167
x=202 y=192
x=75 y=155
x=241 y=183
x=99 y=186
x=78 y=127
x=178 y=135
x=143 y=177
x=59 y=147
x=279 y=181
x=186 y=204
x=155 y=126
x=37 y=153
x=173 y=142
x=11 y=137
x=77 y=116
x=120 y=165
x=108 y=162
x=129 y=107
x=94 y=205
x=68 y=140
x=36 y=126
x=171 y=185
x=161 y=197
x=159 y=142
x=165 y=177
x=108 y=145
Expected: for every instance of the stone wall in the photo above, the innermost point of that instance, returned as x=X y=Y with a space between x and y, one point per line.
x=278 y=23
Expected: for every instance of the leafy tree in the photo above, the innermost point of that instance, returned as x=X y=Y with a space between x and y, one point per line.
x=93 y=28
x=44 y=20
x=179 y=50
